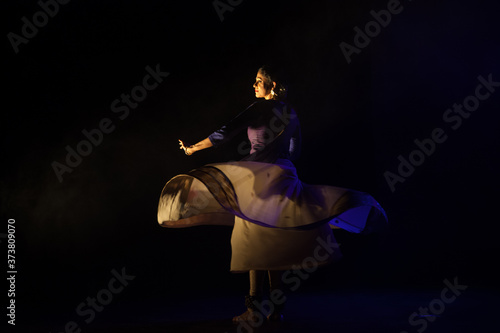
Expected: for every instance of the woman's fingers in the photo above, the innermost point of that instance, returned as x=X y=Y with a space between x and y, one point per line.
x=183 y=146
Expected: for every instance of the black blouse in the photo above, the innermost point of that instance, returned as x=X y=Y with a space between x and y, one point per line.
x=273 y=130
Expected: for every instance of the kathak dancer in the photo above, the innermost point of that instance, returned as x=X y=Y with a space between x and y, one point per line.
x=278 y=221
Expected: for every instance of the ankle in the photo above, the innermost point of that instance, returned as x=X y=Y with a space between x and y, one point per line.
x=252 y=302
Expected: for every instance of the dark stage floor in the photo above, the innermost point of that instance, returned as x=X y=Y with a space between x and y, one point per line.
x=370 y=311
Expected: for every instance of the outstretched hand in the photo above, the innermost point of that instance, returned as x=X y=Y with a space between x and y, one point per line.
x=185 y=147
x=189 y=150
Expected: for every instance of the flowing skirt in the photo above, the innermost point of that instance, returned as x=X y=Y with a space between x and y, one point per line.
x=279 y=222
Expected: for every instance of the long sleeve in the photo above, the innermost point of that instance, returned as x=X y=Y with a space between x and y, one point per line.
x=235 y=126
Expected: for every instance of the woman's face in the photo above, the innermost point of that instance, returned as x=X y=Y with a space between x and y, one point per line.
x=262 y=90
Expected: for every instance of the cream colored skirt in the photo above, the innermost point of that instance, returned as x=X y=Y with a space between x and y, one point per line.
x=279 y=222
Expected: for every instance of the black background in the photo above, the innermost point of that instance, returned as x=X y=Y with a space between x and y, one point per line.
x=356 y=118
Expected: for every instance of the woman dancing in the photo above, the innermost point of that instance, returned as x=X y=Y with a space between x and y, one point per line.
x=279 y=222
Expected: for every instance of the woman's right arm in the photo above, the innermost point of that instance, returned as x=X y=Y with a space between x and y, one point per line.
x=224 y=134
x=189 y=150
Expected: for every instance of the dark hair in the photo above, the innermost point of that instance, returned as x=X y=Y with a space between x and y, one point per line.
x=272 y=75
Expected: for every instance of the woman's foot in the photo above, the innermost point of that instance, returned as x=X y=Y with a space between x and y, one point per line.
x=252 y=313
x=248 y=315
